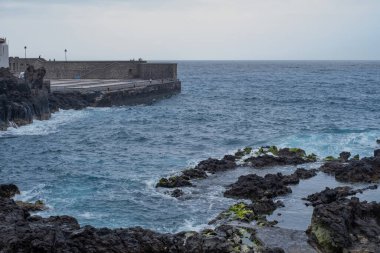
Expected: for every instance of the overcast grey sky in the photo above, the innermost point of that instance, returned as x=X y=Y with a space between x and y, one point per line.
x=193 y=29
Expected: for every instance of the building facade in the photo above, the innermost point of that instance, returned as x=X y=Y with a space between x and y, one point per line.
x=4 y=53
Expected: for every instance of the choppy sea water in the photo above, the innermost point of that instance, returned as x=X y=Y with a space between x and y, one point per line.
x=101 y=164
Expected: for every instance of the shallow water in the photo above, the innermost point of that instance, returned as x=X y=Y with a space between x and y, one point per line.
x=101 y=164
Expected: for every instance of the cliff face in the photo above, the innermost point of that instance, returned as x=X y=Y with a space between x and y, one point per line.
x=21 y=101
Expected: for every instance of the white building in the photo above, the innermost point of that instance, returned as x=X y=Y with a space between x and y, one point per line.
x=4 y=54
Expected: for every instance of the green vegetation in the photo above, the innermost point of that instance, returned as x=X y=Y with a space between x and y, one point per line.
x=247 y=150
x=273 y=150
x=312 y=157
x=330 y=158
x=324 y=238
x=240 y=210
x=356 y=157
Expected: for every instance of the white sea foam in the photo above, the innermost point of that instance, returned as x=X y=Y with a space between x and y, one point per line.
x=45 y=127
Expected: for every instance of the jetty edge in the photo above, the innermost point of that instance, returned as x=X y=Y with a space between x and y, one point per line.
x=32 y=97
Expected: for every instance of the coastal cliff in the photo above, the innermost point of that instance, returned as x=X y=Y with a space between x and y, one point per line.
x=21 y=101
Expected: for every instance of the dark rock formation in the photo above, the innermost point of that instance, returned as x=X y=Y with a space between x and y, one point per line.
x=175 y=181
x=365 y=170
x=20 y=232
x=330 y=195
x=210 y=165
x=378 y=141
x=39 y=205
x=255 y=187
x=21 y=101
x=214 y=165
x=346 y=226
x=344 y=156
x=177 y=193
x=8 y=190
x=285 y=156
x=247 y=213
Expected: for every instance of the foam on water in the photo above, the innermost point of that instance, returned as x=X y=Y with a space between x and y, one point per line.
x=45 y=127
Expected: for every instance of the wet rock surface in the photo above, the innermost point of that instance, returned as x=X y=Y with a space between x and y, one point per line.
x=20 y=232
x=8 y=190
x=271 y=156
x=255 y=187
x=200 y=171
x=21 y=101
x=365 y=170
x=346 y=226
x=330 y=195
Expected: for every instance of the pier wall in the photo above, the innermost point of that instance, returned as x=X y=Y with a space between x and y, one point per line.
x=96 y=69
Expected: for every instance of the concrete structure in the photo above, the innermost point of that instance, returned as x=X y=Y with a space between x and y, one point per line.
x=4 y=53
x=97 y=69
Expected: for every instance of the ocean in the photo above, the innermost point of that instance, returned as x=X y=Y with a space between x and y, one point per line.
x=101 y=165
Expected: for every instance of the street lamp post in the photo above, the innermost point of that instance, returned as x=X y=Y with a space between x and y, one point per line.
x=65 y=55
x=25 y=51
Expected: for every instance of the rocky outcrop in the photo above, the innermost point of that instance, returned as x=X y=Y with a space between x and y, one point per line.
x=210 y=165
x=272 y=156
x=330 y=195
x=20 y=232
x=21 y=101
x=346 y=226
x=255 y=187
x=8 y=190
x=365 y=170
x=264 y=157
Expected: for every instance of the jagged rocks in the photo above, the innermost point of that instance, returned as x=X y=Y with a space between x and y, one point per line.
x=214 y=165
x=330 y=195
x=38 y=205
x=210 y=165
x=255 y=187
x=365 y=170
x=346 y=226
x=173 y=182
x=23 y=100
x=273 y=157
x=20 y=232
x=8 y=190
x=344 y=156
x=177 y=193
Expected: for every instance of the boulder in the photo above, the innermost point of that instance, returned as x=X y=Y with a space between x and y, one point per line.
x=255 y=187
x=346 y=226
x=344 y=156
x=8 y=190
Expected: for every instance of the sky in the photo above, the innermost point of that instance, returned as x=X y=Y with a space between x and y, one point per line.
x=193 y=29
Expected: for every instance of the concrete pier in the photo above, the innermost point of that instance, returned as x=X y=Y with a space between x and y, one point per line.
x=105 y=85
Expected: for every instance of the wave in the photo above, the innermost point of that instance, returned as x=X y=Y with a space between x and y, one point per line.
x=45 y=127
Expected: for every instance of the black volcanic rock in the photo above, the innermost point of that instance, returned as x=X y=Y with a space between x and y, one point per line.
x=344 y=156
x=8 y=190
x=330 y=195
x=365 y=170
x=20 y=232
x=210 y=165
x=255 y=187
x=346 y=226
x=21 y=101
x=284 y=156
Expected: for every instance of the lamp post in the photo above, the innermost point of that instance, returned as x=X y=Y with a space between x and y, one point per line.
x=25 y=51
x=65 y=55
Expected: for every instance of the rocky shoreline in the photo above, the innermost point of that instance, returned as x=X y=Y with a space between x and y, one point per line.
x=338 y=224
x=22 y=100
